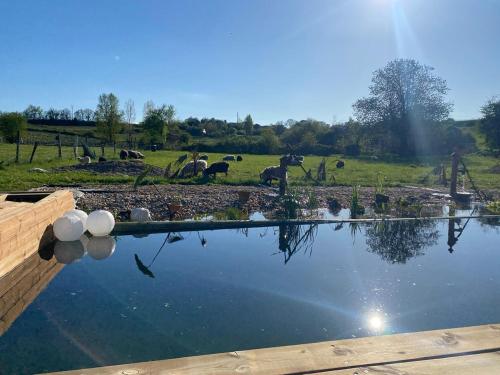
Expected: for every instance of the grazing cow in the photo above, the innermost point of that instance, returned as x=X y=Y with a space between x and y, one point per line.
x=239 y=158
x=218 y=167
x=340 y=164
x=123 y=154
x=203 y=157
x=102 y=158
x=140 y=154
x=270 y=173
x=85 y=160
x=229 y=158
x=188 y=169
x=133 y=154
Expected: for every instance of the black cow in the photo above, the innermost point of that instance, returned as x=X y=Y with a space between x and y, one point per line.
x=102 y=158
x=340 y=164
x=123 y=154
x=239 y=158
x=203 y=157
x=214 y=168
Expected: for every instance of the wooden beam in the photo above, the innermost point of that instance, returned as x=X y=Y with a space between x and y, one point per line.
x=338 y=357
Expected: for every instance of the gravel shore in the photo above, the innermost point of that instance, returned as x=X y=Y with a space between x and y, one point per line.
x=199 y=200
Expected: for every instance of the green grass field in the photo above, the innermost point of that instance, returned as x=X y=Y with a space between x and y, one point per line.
x=357 y=171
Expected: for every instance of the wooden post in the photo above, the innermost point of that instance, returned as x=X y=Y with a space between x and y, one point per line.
x=59 y=145
x=17 y=145
x=33 y=152
x=75 y=148
x=102 y=150
x=114 y=148
x=283 y=176
x=455 y=157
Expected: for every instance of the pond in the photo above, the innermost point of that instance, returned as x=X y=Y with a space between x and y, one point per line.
x=170 y=295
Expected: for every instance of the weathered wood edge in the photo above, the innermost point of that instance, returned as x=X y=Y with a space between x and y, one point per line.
x=125 y=228
x=325 y=356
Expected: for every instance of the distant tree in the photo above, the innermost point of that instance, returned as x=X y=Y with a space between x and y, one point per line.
x=33 y=112
x=108 y=117
x=84 y=114
x=269 y=141
x=129 y=116
x=405 y=97
x=248 y=124
x=88 y=114
x=52 y=114
x=156 y=121
x=65 y=114
x=490 y=123
x=148 y=106
x=11 y=124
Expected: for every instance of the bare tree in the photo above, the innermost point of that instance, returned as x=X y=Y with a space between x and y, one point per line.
x=129 y=113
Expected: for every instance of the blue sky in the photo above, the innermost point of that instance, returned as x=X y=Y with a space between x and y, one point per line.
x=275 y=59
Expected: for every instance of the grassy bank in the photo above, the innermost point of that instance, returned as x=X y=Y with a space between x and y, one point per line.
x=357 y=171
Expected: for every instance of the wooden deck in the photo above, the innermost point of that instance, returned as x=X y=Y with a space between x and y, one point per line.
x=26 y=224
x=468 y=350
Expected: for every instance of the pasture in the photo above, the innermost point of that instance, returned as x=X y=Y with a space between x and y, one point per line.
x=357 y=171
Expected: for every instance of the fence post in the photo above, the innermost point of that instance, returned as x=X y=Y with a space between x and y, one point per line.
x=17 y=145
x=33 y=152
x=59 y=145
x=75 y=147
x=102 y=150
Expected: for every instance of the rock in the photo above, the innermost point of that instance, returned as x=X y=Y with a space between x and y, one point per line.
x=38 y=170
x=140 y=215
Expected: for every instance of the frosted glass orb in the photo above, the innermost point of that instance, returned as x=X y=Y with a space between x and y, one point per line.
x=101 y=247
x=67 y=252
x=80 y=214
x=68 y=228
x=100 y=223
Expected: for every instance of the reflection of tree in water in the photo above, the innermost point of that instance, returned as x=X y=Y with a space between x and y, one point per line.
x=398 y=241
x=294 y=238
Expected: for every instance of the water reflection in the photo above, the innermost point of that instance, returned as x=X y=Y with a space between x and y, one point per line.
x=295 y=238
x=398 y=241
x=101 y=247
x=69 y=251
x=169 y=238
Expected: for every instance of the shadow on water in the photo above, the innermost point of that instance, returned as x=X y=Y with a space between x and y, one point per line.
x=169 y=238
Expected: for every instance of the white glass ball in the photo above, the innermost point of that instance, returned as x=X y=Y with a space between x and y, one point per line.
x=100 y=223
x=68 y=228
x=101 y=247
x=80 y=214
x=67 y=252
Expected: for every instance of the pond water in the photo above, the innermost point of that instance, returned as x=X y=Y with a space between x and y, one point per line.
x=227 y=290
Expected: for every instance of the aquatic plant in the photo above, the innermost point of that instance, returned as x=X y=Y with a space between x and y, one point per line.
x=231 y=213
x=356 y=207
x=289 y=204
x=312 y=201
x=140 y=178
x=494 y=207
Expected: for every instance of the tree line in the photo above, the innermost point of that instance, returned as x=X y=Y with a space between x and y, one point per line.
x=406 y=114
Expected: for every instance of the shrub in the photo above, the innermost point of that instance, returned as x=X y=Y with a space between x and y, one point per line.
x=11 y=124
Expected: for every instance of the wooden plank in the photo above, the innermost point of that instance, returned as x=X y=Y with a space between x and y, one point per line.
x=477 y=364
x=324 y=356
x=26 y=226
